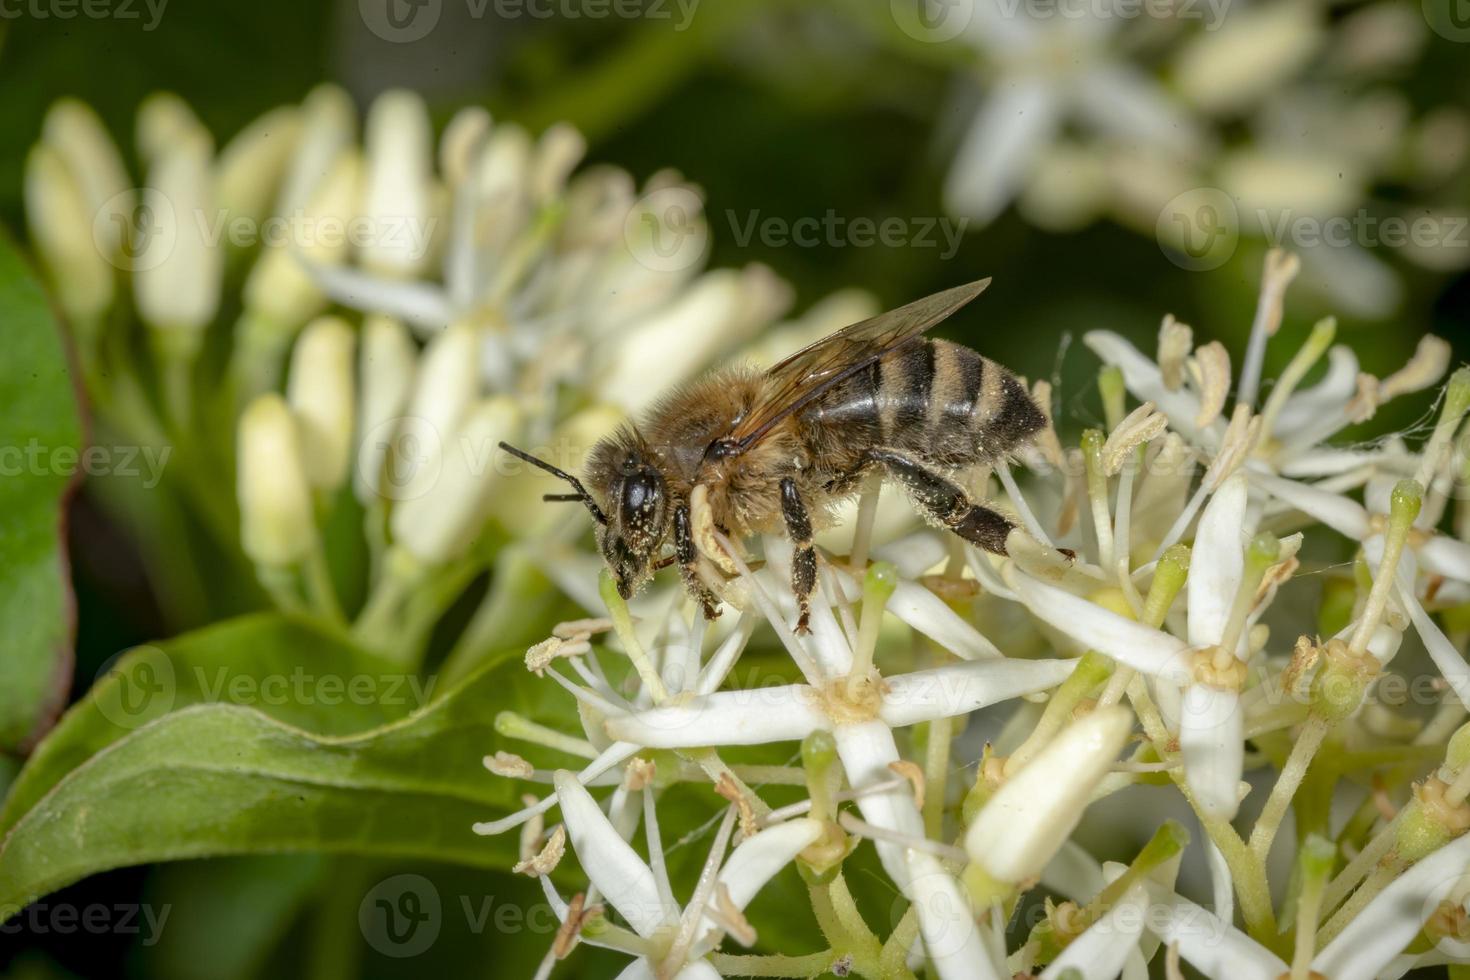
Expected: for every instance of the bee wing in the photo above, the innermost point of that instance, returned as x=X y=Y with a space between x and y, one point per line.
x=814 y=369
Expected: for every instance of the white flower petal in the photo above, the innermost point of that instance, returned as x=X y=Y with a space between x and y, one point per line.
x=639 y=969
x=1305 y=411
x=609 y=861
x=747 y=717
x=422 y=304
x=1017 y=118
x=1148 y=650
x=1217 y=562
x=866 y=749
x=698 y=970
x=1391 y=920
x=1144 y=379
x=1026 y=822
x=1347 y=517
x=955 y=948
x=1210 y=722
x=958 y=689
x=1103 y=949
x=1446 y=556
x=1215 y=948
x=1074 y=873
x=758 y=859
x=916 y=606
x=1443 y=652
x=1123 y=102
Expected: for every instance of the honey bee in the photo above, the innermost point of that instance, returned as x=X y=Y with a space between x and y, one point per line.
x=759 y=452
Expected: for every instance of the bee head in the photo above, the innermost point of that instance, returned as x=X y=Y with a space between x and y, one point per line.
x=623 y=469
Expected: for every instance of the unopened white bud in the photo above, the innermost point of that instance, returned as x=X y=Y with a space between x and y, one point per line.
x=328 y=129
x=1033 y=813
x=61 y=227
x=461 y=143
x=73 y=130
x=322 y=394
x=396 y=199
x=388 y=361
x=177 y=281
x=448 y=380
x=250 y=165
x=440 y=525
x=276 y=524
x=558 y=152
x=164 y=120
x=279 y=288
x=717 y=313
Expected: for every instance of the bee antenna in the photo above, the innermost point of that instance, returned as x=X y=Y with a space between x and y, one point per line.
x=581 y=491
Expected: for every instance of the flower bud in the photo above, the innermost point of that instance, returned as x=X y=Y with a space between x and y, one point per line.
x=164 y=120
x=276 y=524
x=399 y=154
x=440 y=524
x=61 y=226
x=461 y=142
x=73 y=130
x=448 y=380
x=279 y=289
x=718 y=312
x=1034 y=812
x=322 y=397
x=558 y=152
x=328 y=130
x=250 y=165
x=178 y=268
x=389 y=359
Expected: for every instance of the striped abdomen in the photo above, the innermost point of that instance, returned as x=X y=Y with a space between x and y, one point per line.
x=938 y=401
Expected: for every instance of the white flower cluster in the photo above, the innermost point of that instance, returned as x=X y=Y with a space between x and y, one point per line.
x=1208 y=123
x=1131 y=637
x=550 y=301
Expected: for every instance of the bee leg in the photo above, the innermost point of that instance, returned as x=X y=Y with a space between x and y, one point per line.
x=688 y=558
x=804 y=556
x=946 y=502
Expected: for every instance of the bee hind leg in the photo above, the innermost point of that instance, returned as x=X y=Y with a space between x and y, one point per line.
x=688 y=558
x=946 y=502
x=803 y=556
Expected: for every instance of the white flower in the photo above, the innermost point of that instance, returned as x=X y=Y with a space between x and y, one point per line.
x=673 y=939
x=277 y=526
x=251 y=165
x=322 y=394
x=60 y=220
x=396 y=198
x=1378 y=933
x=75 y=132
x=1210 y=674
x=1046 y=73
x=1035 y=810
x=177 y=282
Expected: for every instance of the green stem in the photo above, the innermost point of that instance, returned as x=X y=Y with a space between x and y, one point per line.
x=1292 y=774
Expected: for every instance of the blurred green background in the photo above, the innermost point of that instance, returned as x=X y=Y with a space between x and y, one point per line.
x=778 y=109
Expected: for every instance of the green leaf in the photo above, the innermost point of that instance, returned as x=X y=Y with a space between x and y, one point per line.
x=293 y=671
x=40 y=439
x=219 y=779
